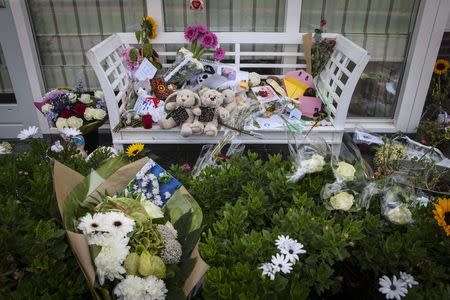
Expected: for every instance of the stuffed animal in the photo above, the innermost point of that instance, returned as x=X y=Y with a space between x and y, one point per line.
x=208 y=114
x=180 y=106
x=229 y=101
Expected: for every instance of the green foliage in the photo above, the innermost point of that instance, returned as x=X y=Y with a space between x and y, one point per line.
x=247 y=203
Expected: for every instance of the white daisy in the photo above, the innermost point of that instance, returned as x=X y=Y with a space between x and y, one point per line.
x=57 y=147
x=292 y=249
x=408 y=279
x=70 y=132
x=282 y=241
x=91 y=223
x=268 y=270
x=396 y=288
x=281 y=263
x=117 y=223
x=28 y=132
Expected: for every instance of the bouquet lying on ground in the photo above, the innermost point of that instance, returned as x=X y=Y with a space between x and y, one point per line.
x=127 y=246
x=65 y=108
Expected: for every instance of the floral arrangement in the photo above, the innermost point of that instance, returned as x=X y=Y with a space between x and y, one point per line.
x=73 y=109
x=321 y=50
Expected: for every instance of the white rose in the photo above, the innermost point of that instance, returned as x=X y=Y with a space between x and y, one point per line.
x=400 y=215
x=72 y=97
x=46 y=108
x=152 y=210
x=99 y=94
x=99 y=114
x=74 y=122
x=342 y=201
x=314 y=164
x=61 y=123
x=85 y=98
x=345 y=171
x=89 y=113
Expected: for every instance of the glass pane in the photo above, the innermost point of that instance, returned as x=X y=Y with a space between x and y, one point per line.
x=383 y=28
x=227 y=15
x=6 y=89
x=66 y=29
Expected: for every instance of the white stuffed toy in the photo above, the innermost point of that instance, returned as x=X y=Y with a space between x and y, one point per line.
x=208 y=114
x=180 y=106
x=229 y=101
x=146 y=105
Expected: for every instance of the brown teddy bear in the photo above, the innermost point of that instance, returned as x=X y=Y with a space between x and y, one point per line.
x=180 y=106
x=209 y=112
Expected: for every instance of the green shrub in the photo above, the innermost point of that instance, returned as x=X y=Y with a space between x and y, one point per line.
x=247 y=203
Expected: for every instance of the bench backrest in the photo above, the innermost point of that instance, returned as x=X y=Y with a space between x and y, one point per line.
x=336 y=83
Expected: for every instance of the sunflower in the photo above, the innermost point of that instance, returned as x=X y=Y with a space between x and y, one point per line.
x=441 y=67
x=134 y=149
x=442 y=214
x=149 y=25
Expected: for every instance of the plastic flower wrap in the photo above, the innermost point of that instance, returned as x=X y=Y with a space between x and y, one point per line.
x=187 y=62
x=127 y=246
x=398 y=200
x=308 y=158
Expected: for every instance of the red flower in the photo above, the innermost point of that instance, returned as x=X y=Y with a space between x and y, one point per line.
x=65 y=114
x=147 y=121
x=197 y=4
x=79 y=109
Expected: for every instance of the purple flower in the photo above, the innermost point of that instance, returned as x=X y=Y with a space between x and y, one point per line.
x=186 y=167
x=191 y=33
x=209 y=40
x=202 y=29
x=219 y=54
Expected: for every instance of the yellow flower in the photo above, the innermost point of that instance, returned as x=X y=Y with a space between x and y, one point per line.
x=441 y=67
x=442 y=214
x=134 y=149
x=150 y=25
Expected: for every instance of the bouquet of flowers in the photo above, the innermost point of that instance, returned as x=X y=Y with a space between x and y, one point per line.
x=187 y=62
x=64 y=108
x=127 y=246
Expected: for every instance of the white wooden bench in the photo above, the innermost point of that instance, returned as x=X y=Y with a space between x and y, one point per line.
x=336 y=84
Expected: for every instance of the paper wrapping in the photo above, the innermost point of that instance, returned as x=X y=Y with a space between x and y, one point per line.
x=66 y=180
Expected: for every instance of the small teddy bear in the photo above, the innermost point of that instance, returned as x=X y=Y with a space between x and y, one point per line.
x=180 y=106
x=229 y=101
x=208 y=114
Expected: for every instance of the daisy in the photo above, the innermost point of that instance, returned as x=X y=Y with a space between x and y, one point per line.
x=396 y=288
x=118 y=224
x=269 y=270
x=70 y=132
x=408 y=279
x=57 y=147
x=282 y=241
x=292 y=249
x=28 y=132
x=91 y=223
x=281 y=263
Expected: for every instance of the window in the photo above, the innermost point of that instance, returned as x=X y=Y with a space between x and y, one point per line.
x=6 y=89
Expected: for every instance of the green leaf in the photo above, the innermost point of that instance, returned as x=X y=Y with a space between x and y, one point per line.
x=138 y=36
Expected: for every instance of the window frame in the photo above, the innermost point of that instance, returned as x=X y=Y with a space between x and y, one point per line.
x=429 y=26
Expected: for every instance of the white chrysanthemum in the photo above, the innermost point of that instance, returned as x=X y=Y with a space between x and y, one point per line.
x=91 y=223
x=57 y=147
x=106 y=239
x=109 y=262
x=408 y=279
x=28 y=132
x=134 y=287
x=70 y=132
x=281 y=263
x=117 y=223
x=171 y=253
x=291 y=250
x=268 y=270
x=396 y=288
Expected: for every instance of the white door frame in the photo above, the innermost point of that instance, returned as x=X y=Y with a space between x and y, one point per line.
x=21 y=65
x=428 y=30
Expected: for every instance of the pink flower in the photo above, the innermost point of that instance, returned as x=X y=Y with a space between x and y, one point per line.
x=219 y=54
x=202 y=29
x=209 y=40
x=197 y=4
x=191 y=33
x=131 y=57
x=186 y=167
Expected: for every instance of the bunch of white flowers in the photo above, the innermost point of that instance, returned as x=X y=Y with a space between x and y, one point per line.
x=396 y=288
x=94 y=114
x=134 y=287
x=72 y=122
x=308 y=166
x=289 y=250
x=344 y=171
